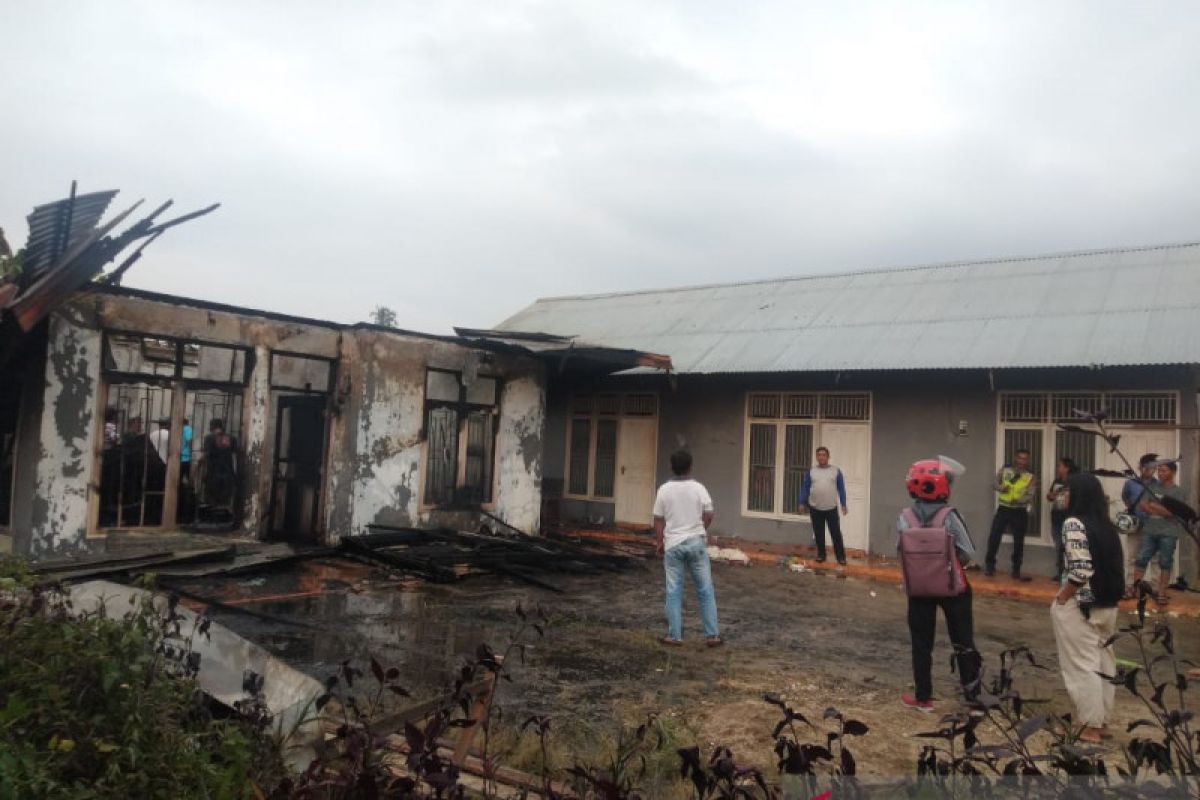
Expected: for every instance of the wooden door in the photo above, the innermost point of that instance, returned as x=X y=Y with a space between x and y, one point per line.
x=850 y=450
x=636 y=455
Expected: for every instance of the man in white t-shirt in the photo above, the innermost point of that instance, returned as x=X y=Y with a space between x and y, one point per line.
x=683 y=510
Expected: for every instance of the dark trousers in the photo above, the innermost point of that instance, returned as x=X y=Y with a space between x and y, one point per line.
x=831 y=518
x=1015 y=520
x=922 y=626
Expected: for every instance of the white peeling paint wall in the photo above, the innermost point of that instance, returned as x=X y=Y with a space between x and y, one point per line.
x=519 y=453
x=68 y=430
x=388 y=458
x=257 y=459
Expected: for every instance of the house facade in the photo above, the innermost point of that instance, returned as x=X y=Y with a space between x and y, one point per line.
x=296 y=429
x=972 y=361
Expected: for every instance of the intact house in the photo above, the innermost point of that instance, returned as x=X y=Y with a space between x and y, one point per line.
x=969 y=360
x=107 y=412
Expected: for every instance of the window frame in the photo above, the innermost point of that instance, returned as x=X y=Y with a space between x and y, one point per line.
x=816 y=418
x=463 y=410
x=1047 y=425
x=624 y=409
x=178 y=343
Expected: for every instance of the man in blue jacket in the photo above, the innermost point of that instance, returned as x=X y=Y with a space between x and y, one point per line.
x=823 y=490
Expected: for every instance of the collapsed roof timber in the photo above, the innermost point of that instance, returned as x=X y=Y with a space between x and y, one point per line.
x=128 y=410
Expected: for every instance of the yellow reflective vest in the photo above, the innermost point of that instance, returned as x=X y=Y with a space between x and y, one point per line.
x=1015 y=489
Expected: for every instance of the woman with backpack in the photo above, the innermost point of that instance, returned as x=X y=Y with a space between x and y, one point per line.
x=934 y=545
x=1084 y=612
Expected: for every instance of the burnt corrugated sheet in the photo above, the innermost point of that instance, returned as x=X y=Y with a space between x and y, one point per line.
x=54 y=228
x=1098 y=308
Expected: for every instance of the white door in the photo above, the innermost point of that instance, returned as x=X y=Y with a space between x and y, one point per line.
x=636 y=453
x=850 y=450
x=1134 y=443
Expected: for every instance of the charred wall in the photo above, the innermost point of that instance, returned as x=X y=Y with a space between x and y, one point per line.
x=375 y=438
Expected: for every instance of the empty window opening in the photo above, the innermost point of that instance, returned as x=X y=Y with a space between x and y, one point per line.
x=460 y=438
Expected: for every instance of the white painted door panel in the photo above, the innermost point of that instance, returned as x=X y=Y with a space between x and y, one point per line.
x=850 y=450
x=636 y=453
x=1134 y=443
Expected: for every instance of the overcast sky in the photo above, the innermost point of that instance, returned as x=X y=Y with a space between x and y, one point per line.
x=456 y=160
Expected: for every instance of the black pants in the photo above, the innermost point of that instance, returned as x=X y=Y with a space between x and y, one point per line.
x=1057 y=518
x=1015 y=520
x=922 y=626
x=833 y=519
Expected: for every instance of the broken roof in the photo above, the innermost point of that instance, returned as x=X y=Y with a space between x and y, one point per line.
x=66 y=249
x=565 y=348
x=1096 y=308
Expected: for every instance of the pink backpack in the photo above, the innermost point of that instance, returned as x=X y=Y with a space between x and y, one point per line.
x=928 y=558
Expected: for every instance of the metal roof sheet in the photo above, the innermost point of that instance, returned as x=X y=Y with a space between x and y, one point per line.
x=1097 y=308
x=54 y=228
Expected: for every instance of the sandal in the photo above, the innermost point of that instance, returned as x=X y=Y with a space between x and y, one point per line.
x=714 y=641
x=667 y=640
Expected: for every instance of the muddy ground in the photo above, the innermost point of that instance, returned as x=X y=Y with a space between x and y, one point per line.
x=818 y=640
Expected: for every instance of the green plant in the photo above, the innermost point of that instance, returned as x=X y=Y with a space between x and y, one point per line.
x=101 y=704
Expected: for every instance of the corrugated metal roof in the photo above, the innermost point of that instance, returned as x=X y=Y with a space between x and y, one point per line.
x=54 y=228
x=1098 y=308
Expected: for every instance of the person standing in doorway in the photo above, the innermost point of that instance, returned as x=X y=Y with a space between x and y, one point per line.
x=683 y=510
x=928 y=483
x=1084 y=612
x=822 y=492
x=1017 y=487
x=1134 y=519
x=1160 y=531
x=1057 y=496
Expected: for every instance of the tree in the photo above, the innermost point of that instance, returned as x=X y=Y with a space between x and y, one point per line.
x=384 y=316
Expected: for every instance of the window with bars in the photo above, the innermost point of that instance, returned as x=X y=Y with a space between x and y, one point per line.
x=780 y=448
x=1124 y=408
x=592 y=440
x=1030 y=420
x=460 y=438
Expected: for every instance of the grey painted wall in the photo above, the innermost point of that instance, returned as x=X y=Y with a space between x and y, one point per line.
x=915 y=415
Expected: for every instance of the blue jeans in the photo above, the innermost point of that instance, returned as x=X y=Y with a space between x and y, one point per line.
x=690 y=555
x=1162 y=545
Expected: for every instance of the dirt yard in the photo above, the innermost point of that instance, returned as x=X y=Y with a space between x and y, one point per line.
x=817 y=640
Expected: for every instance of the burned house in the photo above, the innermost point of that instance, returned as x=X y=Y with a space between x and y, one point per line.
x=322 y=428
x=144 y=412
x=970 y=360
x=125 y=411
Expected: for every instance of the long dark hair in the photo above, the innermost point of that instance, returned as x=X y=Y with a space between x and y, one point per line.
x=1087 y=500
x=1088 y=504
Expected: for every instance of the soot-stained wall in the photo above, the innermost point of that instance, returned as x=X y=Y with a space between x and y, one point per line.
x=375 y=413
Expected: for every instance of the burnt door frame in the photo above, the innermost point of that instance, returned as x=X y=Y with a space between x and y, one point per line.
x=318 y=401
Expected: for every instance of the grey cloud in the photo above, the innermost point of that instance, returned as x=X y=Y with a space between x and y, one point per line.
x=456 y=159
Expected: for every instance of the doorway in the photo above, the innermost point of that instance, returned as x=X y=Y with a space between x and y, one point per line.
x=299 y=456
x=851 y=445
x=636 y=455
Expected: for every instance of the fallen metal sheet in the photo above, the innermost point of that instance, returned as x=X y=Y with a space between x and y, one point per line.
x=266 y=558
x=225 y=658
x=66 y=570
